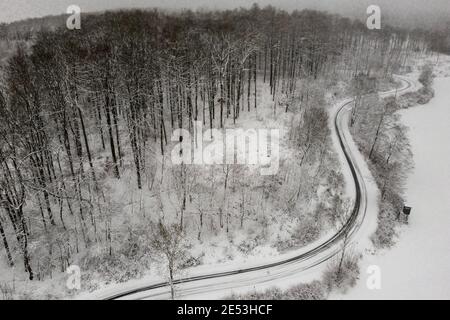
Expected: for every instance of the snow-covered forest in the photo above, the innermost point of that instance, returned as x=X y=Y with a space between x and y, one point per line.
x=87 y=122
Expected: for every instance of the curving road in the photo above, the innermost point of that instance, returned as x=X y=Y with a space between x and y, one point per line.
x=287 y=267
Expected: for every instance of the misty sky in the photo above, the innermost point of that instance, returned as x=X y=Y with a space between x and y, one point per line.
x=409 y=12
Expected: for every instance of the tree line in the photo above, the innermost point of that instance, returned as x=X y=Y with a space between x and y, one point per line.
x=127 y=79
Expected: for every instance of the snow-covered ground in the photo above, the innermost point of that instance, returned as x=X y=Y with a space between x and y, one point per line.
x=281 y=276
x=418 y=267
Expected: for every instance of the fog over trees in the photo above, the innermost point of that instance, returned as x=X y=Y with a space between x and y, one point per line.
x=401 y=13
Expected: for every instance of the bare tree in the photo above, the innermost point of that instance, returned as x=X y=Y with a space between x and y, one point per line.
x=169 y=242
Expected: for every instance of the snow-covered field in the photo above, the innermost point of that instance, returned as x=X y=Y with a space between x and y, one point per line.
x=418 y=266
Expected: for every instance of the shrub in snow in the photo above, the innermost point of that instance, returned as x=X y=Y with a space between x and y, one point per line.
x=385 y=233
x=192 y=261
x=424 y=94
x=421 y=96
x=309 y=291
x=343 y=276
x=307 y=231
x=426 y=76
x=121 y=265
x=247 y=245
x=273 y=293
x=283 y=245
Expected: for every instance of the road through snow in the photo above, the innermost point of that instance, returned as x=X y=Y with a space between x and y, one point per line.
x=418 y=266
x=297 y=266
